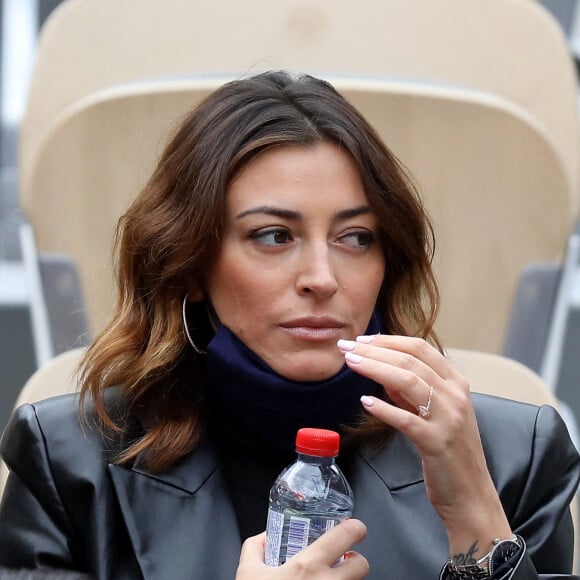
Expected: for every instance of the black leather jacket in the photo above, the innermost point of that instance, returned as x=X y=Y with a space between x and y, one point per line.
x=66 y=505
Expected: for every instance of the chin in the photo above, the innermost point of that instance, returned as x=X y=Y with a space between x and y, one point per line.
x=310 y=371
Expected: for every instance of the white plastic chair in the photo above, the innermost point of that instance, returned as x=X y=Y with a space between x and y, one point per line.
x=479 y=162
x=512 y=48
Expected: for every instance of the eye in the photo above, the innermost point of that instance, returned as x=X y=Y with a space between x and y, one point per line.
x=271 y=236
x=357 y=239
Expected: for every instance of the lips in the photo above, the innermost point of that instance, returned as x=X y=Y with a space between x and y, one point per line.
x=313 y=322
x=315 y=329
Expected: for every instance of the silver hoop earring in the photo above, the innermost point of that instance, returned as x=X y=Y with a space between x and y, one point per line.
x=185 y=327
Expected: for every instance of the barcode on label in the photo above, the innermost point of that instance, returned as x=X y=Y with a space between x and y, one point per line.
x=297 y=535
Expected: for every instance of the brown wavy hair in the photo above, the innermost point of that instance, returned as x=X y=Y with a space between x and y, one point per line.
x=172 y=232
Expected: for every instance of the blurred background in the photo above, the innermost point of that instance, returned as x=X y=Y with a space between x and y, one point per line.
x=479 y=99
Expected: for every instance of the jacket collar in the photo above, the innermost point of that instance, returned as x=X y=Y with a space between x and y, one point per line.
x=181 y=519
x=397 y=465
x=189 y=474
x=390 y=498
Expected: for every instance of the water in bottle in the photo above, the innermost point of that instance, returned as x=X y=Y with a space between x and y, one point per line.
x=308 y=498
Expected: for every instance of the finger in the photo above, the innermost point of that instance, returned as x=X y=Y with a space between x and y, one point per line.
x=427 y=435
x=253 y=549
x=399 y=383
x=417 y=347
x=407 y=423
x=405 y=362
x=354 y=566
x=334 y=543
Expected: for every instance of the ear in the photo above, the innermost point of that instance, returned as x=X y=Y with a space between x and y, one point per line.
x=194 y=291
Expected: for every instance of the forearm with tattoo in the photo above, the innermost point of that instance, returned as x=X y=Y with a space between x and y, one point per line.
x=468 y=557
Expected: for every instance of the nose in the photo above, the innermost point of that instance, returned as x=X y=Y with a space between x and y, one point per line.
x=316 y=274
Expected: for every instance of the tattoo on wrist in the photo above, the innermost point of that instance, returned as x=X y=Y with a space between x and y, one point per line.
x=468 y=558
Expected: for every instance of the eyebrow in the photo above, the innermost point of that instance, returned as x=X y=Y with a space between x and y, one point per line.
x=295 y=215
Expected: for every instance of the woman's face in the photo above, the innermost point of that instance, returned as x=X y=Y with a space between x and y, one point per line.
x=300 y=263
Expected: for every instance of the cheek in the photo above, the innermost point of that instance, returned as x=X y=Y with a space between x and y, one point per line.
x=239 y=292
x=367 y=285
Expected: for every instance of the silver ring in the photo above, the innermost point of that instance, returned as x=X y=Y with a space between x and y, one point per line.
x=425 y=410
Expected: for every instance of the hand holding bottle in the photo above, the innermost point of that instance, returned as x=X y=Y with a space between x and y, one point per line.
x=308 y=498
x=316 y=562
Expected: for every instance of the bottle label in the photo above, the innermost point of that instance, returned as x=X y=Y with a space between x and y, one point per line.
x=287 y=534
x=274 y=530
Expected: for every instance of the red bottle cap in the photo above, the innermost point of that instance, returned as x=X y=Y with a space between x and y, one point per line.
x=318 y=442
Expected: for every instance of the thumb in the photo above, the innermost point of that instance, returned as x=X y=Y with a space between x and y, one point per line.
x=253 y=549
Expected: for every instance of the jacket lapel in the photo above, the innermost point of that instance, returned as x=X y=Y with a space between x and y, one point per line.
x=406 y=538
x=182 y=524
x=180 y=520
x=397 y=465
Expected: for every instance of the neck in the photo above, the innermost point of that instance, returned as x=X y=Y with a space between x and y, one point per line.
x=259 y=408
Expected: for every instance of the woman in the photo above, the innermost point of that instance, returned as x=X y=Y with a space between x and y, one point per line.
x=275 y=273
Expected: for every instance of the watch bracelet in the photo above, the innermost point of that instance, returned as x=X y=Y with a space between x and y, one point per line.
x=477 y=571
x=471 y=572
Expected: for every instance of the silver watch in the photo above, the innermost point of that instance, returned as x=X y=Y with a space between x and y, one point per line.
x=501 y=552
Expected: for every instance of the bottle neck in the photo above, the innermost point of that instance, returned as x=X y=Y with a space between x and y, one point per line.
x=315 y=459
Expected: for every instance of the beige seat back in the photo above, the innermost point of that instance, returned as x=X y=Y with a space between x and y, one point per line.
x=502 y=377
x=511 y=48
x=491 y=180
x=57 y=377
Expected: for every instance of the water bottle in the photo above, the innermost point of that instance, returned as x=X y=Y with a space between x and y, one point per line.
x=308 y=498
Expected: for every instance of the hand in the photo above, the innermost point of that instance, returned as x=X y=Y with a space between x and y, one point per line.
x=457 y=480
x=314 y=562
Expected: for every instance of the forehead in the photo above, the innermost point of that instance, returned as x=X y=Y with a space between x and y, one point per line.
x=296 y=173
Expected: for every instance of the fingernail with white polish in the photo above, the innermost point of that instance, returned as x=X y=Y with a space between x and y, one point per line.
x=364 y=338
x=367 y=401
x=353 y=358
x=346 y=344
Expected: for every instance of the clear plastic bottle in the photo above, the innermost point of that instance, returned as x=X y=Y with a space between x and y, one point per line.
x=308 y=498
